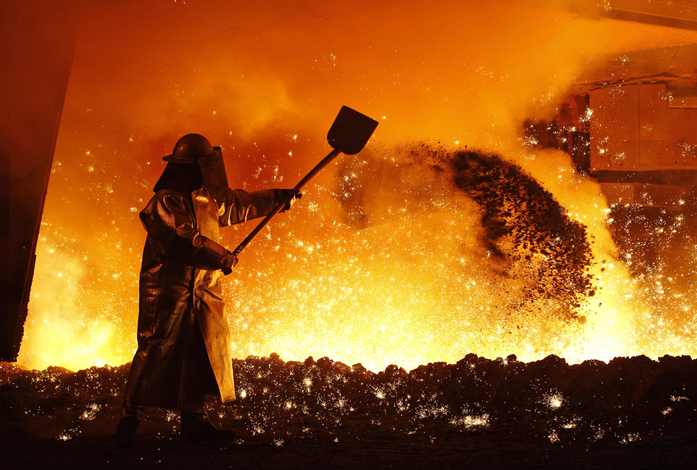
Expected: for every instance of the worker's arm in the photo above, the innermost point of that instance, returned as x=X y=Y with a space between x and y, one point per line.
x=169 y=220
x=241 y=206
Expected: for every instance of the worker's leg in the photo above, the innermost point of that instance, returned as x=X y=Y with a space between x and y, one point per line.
x=128 y=424
x=198 y=381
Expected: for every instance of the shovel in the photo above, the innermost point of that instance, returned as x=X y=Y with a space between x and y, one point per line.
x=349 y=134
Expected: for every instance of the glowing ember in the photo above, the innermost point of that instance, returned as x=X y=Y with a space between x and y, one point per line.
x=554 y=400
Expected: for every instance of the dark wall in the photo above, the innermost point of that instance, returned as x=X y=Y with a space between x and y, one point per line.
x=37 y=46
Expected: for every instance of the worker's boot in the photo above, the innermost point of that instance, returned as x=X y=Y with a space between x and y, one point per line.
x=196 y=428
x=126 y=431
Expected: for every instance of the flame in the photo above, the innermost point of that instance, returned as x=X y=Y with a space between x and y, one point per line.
x=66 y=332
x=412 y=286
x=611 y=323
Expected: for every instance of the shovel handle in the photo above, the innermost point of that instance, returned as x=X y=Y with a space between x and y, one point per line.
x=324 y=162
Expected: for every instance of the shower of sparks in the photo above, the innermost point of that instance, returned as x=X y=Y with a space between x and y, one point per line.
x=399 y=278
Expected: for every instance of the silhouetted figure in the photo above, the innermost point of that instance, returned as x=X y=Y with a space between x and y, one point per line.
x=183 y=338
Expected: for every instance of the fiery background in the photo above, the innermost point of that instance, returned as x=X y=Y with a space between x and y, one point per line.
x=385 y=259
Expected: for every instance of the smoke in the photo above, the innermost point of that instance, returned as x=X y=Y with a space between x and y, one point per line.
x=373 y=276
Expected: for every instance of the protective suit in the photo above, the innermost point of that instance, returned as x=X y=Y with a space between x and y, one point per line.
x=183 y=337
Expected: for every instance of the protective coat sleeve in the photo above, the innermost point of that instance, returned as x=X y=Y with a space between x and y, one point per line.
x=169 y=220
x=241 y=206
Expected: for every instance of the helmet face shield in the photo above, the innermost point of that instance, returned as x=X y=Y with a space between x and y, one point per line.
x=213 y=173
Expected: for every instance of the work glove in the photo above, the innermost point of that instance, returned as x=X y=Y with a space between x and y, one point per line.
x=227 y=262
x=288 y=196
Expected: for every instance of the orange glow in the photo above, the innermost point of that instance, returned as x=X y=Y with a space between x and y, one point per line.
x=415 y=284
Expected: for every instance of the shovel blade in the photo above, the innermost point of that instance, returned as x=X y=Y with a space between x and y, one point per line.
x=350 y=131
